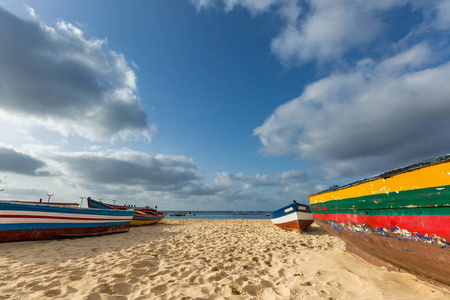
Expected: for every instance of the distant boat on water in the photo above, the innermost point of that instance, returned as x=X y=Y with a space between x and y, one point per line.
x=23 y=221
x=178 y=215
x=400 y=217
x=183 y=214
x=242 y=213
x=293 y=216
x=142 y=216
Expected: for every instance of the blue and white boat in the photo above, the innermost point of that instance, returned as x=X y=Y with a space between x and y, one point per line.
x=21 y=221
x=293 y=216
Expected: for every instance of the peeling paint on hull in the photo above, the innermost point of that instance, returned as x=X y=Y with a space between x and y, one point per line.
x=417 y=255
x=401 y=217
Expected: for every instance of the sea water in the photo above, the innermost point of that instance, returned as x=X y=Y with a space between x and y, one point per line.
x=217 y=215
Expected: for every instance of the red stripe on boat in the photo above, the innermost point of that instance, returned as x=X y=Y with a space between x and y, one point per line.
x=62 y=218
x=416 y=224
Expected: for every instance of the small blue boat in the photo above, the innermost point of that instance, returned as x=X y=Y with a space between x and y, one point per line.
x=293 y=216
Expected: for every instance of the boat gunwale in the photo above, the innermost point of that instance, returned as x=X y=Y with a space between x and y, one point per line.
x=290 y=205
x=283 y=208
x=88 y=210
x=387 y=174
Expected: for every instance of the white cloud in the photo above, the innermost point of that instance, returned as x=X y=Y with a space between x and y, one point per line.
x=31 y=11
x=443 y=14
x=329 y=29
x=378 y=110
x=199 y=4
x=366 y=119
x=56 y=78
x=413 y=58
x=254 y=6
x=319 y=30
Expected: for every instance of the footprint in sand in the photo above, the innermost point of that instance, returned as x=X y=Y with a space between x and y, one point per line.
x=52 y=293
x=159 y=289
x=94 y=296
x=250 y=289
x=103 y=288
x=122 y=288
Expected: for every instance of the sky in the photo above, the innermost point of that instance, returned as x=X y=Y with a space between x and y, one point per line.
x=217 y=104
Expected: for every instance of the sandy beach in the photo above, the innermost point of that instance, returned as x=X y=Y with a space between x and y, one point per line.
x=200 y=259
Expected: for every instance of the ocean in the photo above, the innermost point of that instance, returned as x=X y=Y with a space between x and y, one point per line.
x=213 y=215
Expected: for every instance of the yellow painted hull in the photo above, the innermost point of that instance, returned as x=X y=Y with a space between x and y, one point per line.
x=134 y=222
x=431 y=176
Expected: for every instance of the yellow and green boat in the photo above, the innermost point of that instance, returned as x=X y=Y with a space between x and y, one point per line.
x=399 y=219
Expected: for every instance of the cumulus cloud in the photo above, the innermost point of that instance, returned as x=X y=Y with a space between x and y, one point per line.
x=245 y=181
x=374 y=110
x=327 y=30
x=199 y=4
x=128 y=168
x=298 y=176
x=228 y=185
x=443 y=14
x=58 y=79
x=255 y=6
x=230 y=191
x=21 y=163
x=139 y=178
x=318 y=30
x=381 y=112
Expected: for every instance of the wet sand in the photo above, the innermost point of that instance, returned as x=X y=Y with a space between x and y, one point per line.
x=200 y=259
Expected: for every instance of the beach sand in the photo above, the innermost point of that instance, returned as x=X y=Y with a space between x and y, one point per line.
x=200 y=259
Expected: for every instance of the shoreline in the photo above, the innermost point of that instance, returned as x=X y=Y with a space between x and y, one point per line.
x=200 y=259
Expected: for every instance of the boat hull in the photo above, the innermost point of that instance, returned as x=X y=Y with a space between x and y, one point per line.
x=27 y=221
x=55 y=233
x=137 y=222
x=294 y=216
x=401 y=217
x=140 y=217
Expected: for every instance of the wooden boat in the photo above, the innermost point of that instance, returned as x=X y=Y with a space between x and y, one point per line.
x=142 y=216
x=20 y=221
x=400 y=217
x=293 y=216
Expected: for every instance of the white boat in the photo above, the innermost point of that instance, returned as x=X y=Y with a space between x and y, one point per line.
x=293 y=216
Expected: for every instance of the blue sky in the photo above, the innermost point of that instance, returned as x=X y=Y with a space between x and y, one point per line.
x=217 y=104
